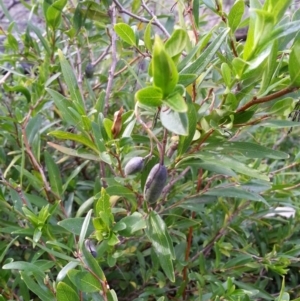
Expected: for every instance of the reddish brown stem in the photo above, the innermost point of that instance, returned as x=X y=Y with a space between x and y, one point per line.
x=267 y=98
x=190 y=238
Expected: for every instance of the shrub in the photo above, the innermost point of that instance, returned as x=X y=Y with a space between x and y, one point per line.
x=106 y=82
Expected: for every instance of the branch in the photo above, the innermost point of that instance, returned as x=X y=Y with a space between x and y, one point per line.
x=156 y=21
x=267 y=98
x=167 y=189
x=112 y=12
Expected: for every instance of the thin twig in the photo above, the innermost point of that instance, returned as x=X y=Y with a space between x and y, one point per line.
x=5 y=77
x=149 y=132
x=168 y=187
x=102 y=56
x=113 y=17
x=156 y=21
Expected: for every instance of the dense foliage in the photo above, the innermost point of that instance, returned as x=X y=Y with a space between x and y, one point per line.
x=147 y=156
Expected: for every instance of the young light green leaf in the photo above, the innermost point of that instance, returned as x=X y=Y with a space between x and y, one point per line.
x=147 y=37
x=176 y=43
x=150 y=96
x=64 y=292
x=54 y=174
x=175 y=122
x=235 y=15
x=126 y=33
x=71 y=82
x=176 y=103
x=165 y=75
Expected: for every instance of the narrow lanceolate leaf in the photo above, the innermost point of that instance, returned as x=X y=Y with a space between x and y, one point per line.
x=236 y=192
x=71 y=82
x=294 y=64
x=150 y=96
x=64 y=292
x=199 y=65
x=42 y=292
x=147 y=37
x=74 y=152
x=63 y=105
x=84 y=229
x=53 y=174
x=74 y=137
x=235 y=15
x=126 y=33
x=157 y=232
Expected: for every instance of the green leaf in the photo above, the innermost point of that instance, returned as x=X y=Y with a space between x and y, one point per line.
x=84 y=281
x=53 y=14
x=74 y=137
x=195 y=10
x=74 y=225
x=226 y=73
x=63 y=106
x=71 y=82
x=199 y=65
x=134 y=223
x=248 y=149
x=175 y=122
x=147 y=37
x=7 y=248
x=235 y=15
x=54 y=174
x=40 y=289
x=270 y=67
x=165 y=75
x=236 y=192
x=84 y=229
x=63 y=272
x=157 y=233
x=73 y=152
x=150 y=96
x=20 y=89
x=176 y=103
x=176 y=43
x=126 y=33
x=66 y=293
x=40 y=36
x=294 y=64
x=185 y=141
x=93 y=265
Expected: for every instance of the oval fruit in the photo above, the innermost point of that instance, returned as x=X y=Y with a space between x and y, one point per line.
x=155 y=183
x=89 y=70
x=134 y=165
